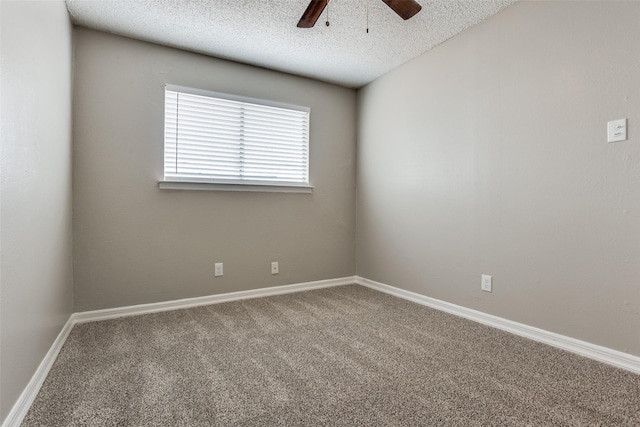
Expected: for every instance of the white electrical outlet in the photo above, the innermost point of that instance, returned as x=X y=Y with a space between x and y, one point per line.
x=486 y=283
x=218 y=271
x=274 y=267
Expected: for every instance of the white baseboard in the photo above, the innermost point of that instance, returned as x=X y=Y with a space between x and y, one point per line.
x=22 y=405
x=156 y=307
x=583 y=348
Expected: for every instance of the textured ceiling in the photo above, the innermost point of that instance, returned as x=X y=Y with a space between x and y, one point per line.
x=264 y=32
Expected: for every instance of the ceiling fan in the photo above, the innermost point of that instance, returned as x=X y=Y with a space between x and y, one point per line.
x=404 y=8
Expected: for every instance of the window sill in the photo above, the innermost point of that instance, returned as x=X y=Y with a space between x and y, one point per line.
x=211 y=186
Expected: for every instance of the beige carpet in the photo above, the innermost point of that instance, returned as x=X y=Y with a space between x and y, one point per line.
x=338 y=356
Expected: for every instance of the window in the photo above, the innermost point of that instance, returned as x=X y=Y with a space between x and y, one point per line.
x=214 y=138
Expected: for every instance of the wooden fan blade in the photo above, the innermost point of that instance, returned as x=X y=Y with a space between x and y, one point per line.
x=313 y=12
x=405 y=8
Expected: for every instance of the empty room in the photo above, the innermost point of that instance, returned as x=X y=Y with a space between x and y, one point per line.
x=319 y=212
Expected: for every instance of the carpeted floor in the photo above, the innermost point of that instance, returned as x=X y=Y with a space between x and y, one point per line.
x=339 y=356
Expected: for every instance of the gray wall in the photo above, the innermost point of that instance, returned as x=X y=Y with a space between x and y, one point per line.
x=35 y=162
x=137 y=244
x=488 y=155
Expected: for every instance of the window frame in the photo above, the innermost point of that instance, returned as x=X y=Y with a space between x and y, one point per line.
x=191 y=183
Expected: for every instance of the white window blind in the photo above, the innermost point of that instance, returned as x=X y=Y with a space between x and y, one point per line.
x=211 y=137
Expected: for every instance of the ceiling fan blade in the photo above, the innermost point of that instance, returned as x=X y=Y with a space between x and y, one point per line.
x=405 y=8
x=311 y=15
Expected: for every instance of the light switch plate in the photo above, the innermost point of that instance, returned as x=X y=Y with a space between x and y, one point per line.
x=617 y=130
